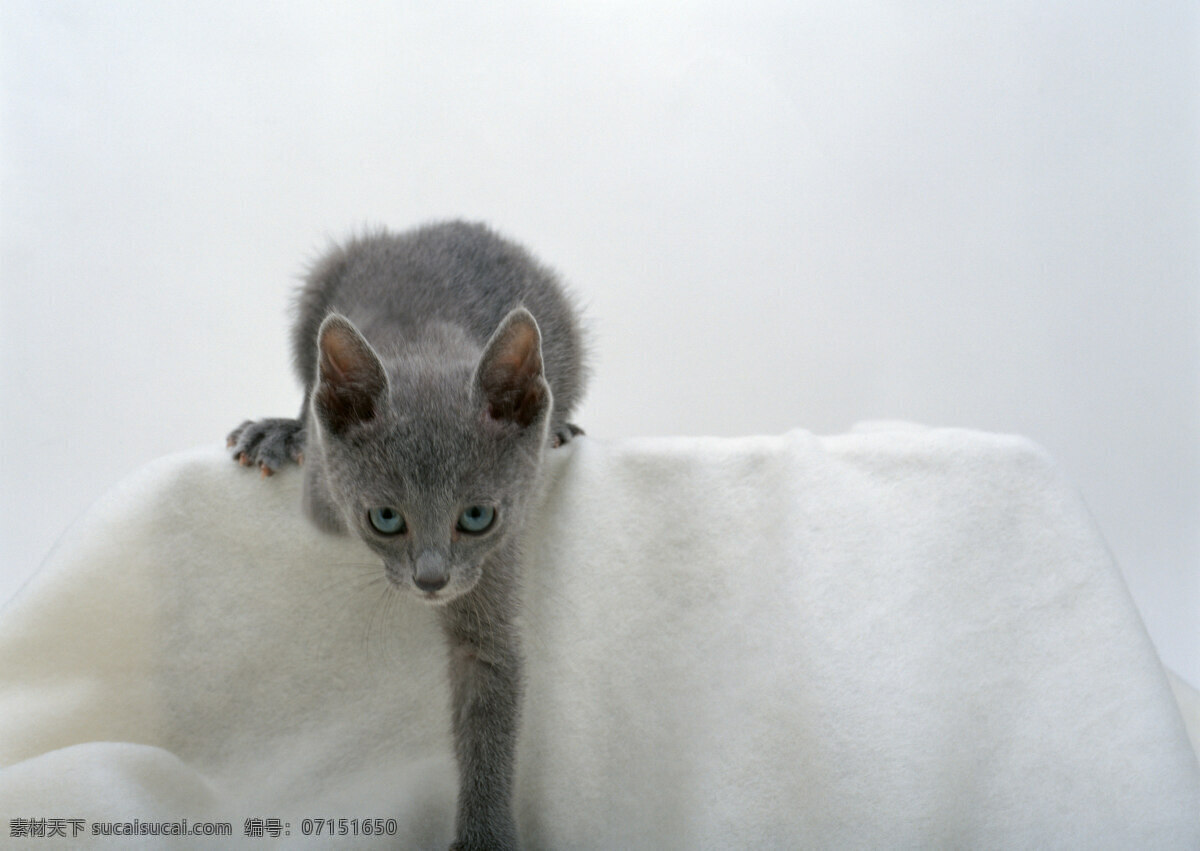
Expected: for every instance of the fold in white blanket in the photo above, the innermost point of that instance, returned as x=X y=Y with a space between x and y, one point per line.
x=889 y=639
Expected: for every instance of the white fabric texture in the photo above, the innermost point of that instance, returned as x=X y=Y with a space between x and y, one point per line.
x=895 y=638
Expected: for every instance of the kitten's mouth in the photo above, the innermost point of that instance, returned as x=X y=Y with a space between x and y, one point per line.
x=405 y=581
x=436 y=599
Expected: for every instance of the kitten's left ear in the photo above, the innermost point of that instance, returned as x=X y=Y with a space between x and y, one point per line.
x=509 y=380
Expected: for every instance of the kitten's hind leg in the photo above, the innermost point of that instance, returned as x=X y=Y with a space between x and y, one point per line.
x=563 y=432
x=268 y=444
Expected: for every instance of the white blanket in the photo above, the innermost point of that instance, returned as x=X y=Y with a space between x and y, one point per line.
x=890 y=639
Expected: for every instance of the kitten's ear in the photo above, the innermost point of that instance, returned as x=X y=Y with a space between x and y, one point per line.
x=508 y=380
x=351 y=384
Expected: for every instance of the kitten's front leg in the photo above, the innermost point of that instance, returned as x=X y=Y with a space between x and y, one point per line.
x=486 y=681
x=268 y=444
x=561 y=435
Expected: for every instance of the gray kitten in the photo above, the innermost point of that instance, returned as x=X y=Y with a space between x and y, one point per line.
x=438 y=365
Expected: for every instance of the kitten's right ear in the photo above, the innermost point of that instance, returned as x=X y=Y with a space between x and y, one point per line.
x=351 y=385
x=509 y=378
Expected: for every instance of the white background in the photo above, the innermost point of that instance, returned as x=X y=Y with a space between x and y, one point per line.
x=778 y=215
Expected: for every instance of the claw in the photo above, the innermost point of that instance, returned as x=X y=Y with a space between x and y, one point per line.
x=244 y=460
x=266 y=471
x=229 y=441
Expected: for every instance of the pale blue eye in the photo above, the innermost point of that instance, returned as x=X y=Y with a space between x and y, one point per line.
x=476 y=519
x=387 y=521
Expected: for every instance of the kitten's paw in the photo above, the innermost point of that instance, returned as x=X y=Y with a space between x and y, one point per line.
x=268 y=444
x=563 y=433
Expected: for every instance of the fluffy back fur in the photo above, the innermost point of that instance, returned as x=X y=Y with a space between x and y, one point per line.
x=454 y=278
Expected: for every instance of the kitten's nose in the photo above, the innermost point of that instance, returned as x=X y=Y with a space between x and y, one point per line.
x=431 y=573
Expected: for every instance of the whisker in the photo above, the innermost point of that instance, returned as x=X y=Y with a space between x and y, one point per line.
x=484 y=626
x=356 y=581
x=369 y=645
x=378 y=637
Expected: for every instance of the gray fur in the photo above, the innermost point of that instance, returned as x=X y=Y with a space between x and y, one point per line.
x=438 y=365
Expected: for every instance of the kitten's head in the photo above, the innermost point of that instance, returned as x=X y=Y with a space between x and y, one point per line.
x=432 y=465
